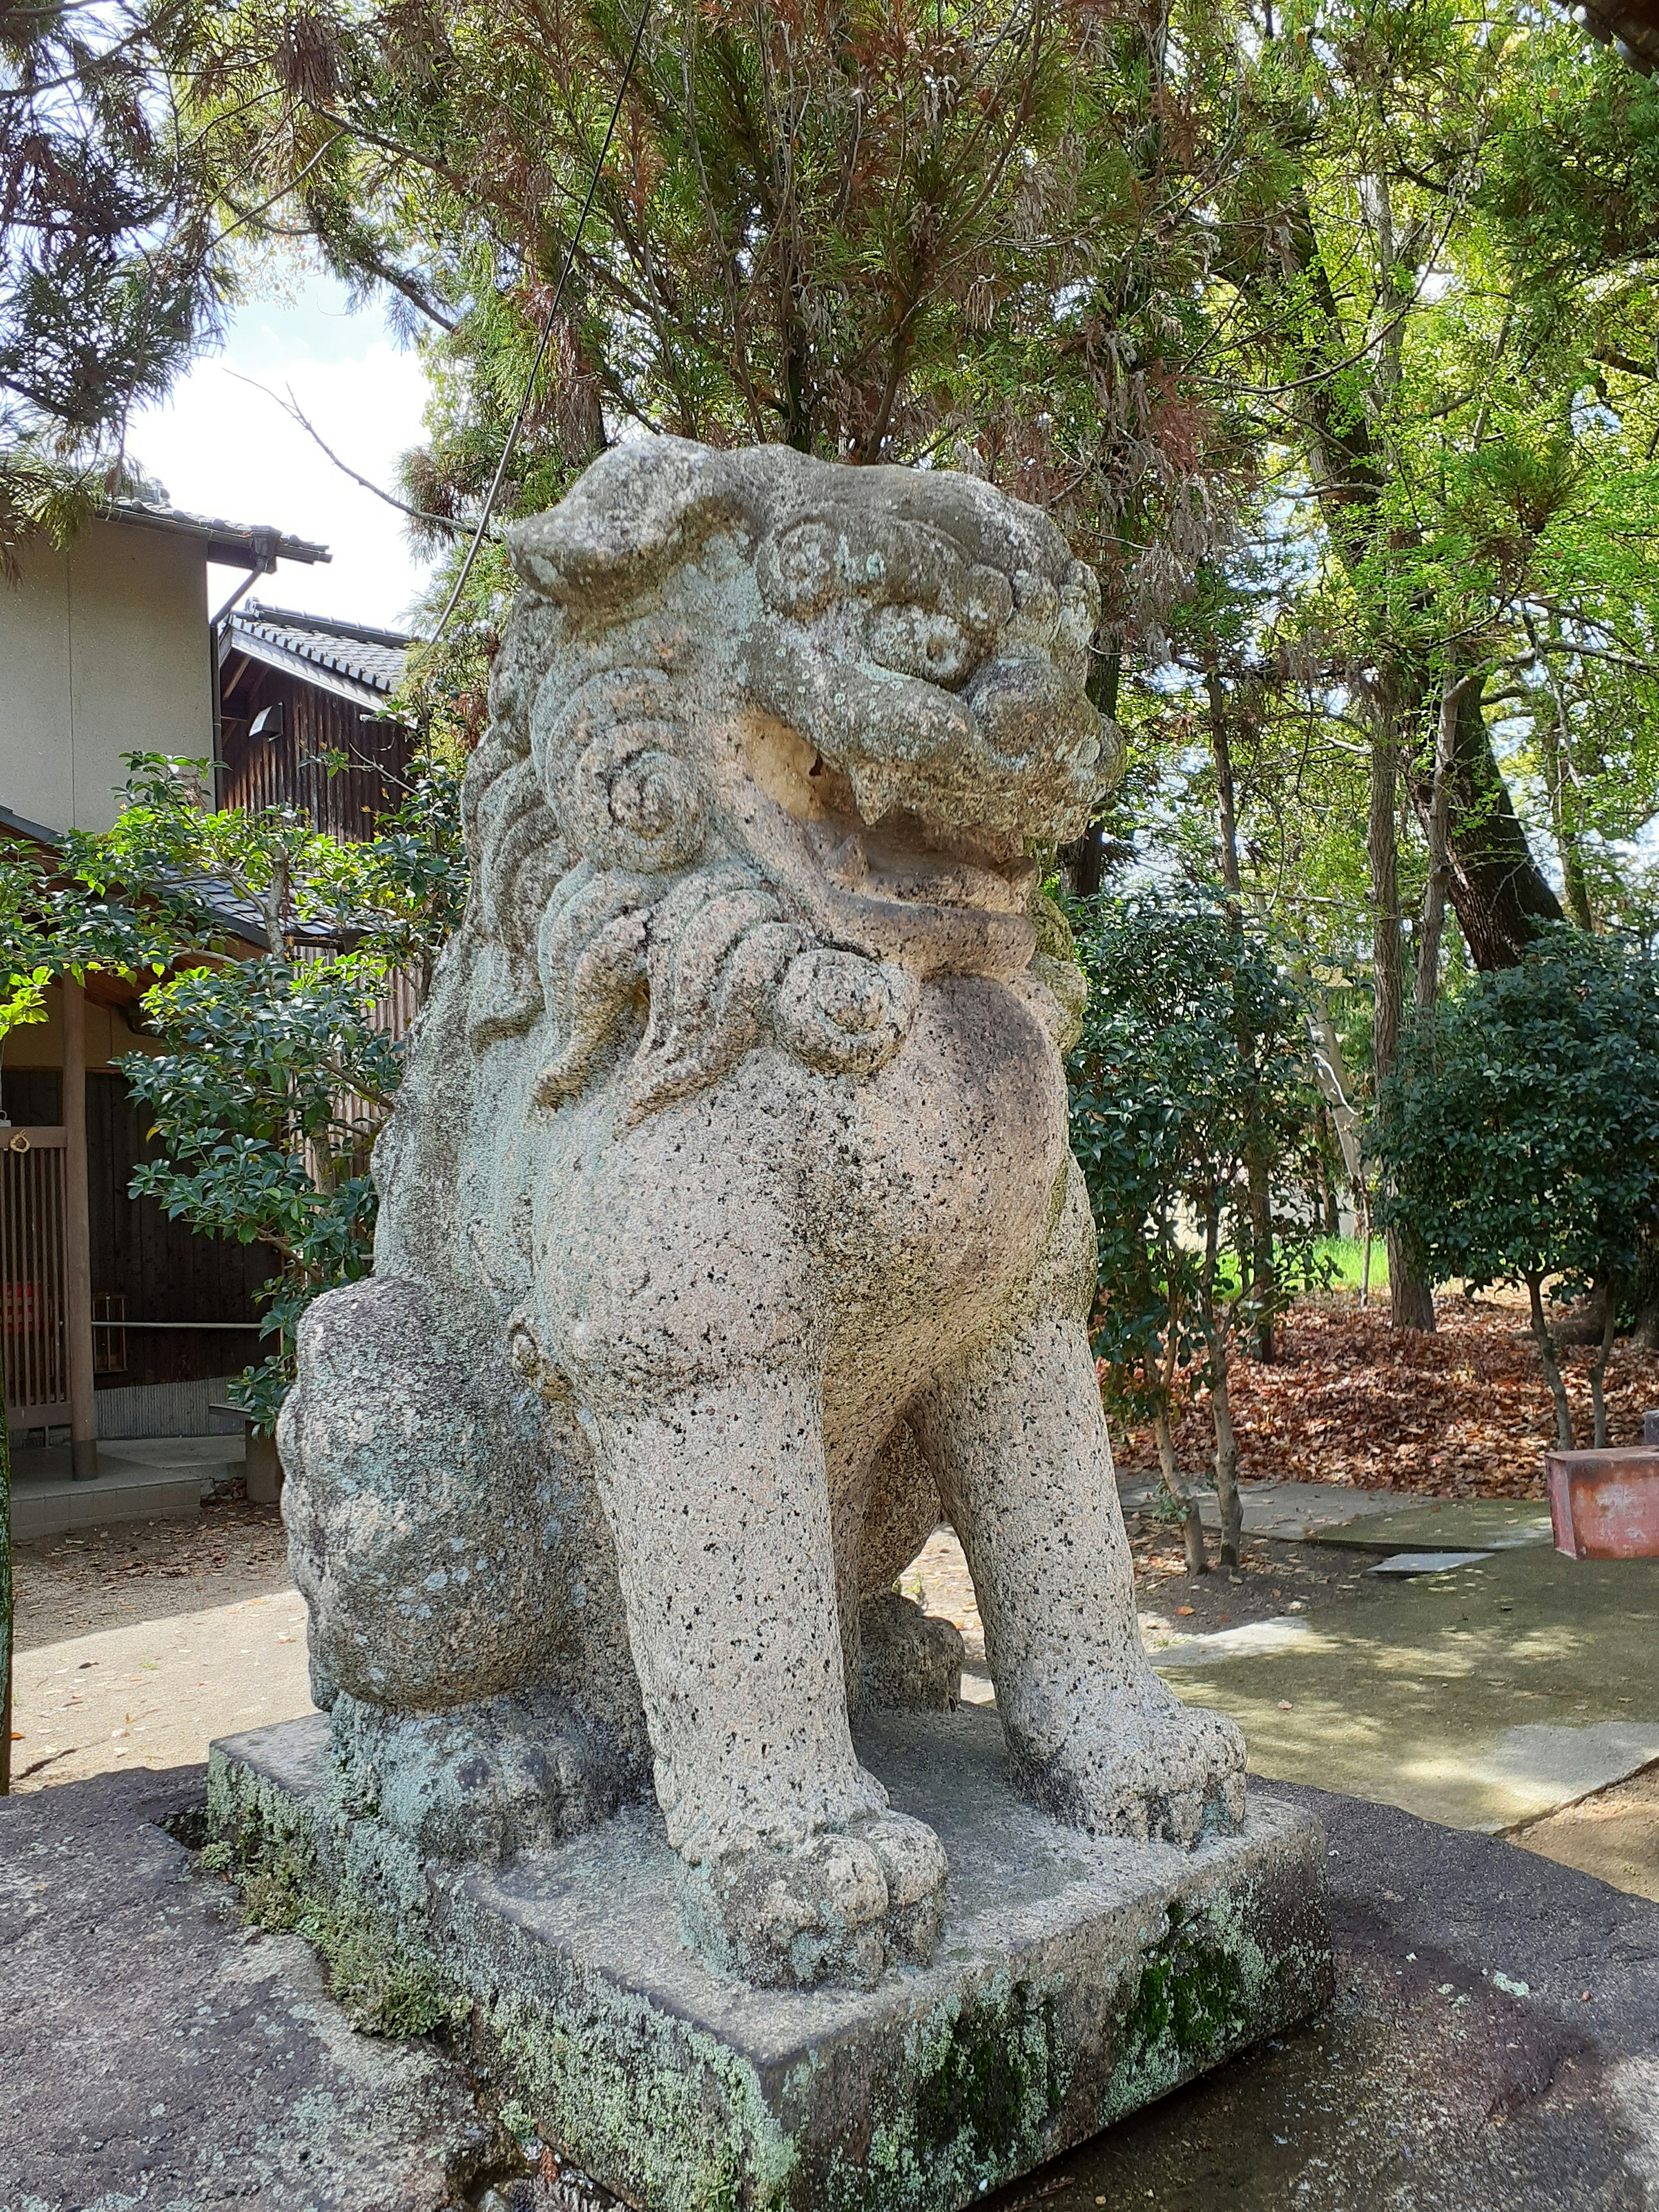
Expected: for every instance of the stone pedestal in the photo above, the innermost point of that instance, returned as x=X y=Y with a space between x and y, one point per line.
x=1075 y=1980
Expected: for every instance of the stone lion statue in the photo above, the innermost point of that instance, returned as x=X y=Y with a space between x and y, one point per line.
x=729 y=1233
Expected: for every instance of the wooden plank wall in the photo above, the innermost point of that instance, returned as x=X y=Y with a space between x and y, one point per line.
x=290 y=770
x=160 y=1269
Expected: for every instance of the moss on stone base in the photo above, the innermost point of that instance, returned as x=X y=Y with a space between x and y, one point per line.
x=952 y=2083
x=268 y=1846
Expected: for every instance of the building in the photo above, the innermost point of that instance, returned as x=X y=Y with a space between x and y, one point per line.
x=299 y=696
x=117 y=1321
x=107 y=649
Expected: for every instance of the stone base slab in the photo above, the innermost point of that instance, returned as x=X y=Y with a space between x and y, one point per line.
x=1075 y=1980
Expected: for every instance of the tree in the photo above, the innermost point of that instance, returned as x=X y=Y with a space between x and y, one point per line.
x=1192 y=1062
x=112 y=263
x=1519 y=1135
x=965 y=235
x=279 y=1071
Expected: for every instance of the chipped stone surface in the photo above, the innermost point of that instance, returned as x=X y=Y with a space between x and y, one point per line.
x=729 y=1230
x=153 y=2051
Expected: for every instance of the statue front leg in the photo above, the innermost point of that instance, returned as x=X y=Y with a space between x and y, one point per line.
x=796 y=1872
x=1024 y=1470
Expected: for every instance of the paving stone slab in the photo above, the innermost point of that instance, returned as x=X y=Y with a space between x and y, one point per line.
x=1426 y=1563
x=1075 y=1979
x=1452 y=1524
x=1291 y=1512
x=154 y=2051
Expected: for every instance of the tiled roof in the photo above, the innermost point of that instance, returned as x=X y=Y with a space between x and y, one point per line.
x=233 y=544
x=374 y=657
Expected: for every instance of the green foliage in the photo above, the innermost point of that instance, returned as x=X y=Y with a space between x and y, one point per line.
x=966 y=234
x=1519 y=1135
x=1193 y=1053
x=113 y=268
x=277 y=1072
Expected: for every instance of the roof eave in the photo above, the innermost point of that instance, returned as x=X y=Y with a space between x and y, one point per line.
x=259 y=548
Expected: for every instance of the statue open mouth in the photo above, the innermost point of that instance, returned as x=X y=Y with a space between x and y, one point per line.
x=902 y=886
x=902 y=857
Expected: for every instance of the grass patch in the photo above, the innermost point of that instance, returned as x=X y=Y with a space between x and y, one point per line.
x=1345 y=1256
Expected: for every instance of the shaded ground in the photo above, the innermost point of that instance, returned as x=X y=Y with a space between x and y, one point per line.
x=1464 y=1412
x=154 y=2050
x=1273 y=1578
x=1495 y=2042
x=135 y=1571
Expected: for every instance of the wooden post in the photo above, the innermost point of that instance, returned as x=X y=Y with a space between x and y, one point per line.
x=78 y=1239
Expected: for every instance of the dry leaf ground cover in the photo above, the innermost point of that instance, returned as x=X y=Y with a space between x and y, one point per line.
x=1464 y=1412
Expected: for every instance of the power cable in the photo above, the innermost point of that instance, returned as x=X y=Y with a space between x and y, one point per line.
x=547 y=332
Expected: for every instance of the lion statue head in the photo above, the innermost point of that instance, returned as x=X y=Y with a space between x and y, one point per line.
x=773 y=741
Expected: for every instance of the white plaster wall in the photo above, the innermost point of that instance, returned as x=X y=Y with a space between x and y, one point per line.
x=40 y=1044
x=103 y=651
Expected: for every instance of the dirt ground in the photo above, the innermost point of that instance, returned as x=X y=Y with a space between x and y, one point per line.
x=1613 y=1835
x=137 y=1570
x=1462 y=1412
x=1272 y=1579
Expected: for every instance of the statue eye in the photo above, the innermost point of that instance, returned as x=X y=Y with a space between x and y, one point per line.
x=919 y=642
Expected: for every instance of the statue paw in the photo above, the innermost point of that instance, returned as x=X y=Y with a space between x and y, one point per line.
x=911 y=1660
x=1154 y=1770
x=837 y=1908
x=511 y=1774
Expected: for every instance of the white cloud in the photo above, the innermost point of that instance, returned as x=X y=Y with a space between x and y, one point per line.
x=222 y=448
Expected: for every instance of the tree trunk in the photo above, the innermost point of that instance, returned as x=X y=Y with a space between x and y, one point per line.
x=1426 y=987
x=1084 y=859
x=1496 y=887
x=1411 y=1302
x=1554 y=753
x=1221 y=1411
x=1501 y=897
x=1609 y=1288
x=1546 y=1344
x=1192 y=1520
x=1226 y=1457
x=1331 y=1070
x=1260 y=1258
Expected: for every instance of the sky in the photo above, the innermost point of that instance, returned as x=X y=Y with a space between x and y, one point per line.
x=224 y=449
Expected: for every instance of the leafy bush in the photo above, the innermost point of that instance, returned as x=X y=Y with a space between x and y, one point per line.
x=278 y=1072
x=1518 y=1135
x=1193 y=1060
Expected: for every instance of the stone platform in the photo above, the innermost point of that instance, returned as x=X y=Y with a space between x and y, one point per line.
x=1075 y=1981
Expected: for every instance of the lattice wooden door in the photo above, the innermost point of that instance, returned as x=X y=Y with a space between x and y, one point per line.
x=31 y=1285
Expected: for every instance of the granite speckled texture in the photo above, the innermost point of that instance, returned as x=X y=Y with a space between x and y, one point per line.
x=729 y=1232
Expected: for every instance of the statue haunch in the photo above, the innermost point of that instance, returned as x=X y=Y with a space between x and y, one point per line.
x=729 y=1231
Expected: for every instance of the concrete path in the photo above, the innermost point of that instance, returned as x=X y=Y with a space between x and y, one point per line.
x=139 y=1479
x=1494 y=2042
x=1482 y=1697
x=155 y=1695
x=1443 y=1524
x=154 y=2052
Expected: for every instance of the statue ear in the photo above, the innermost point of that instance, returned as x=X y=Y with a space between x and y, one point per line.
x=641 y=509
